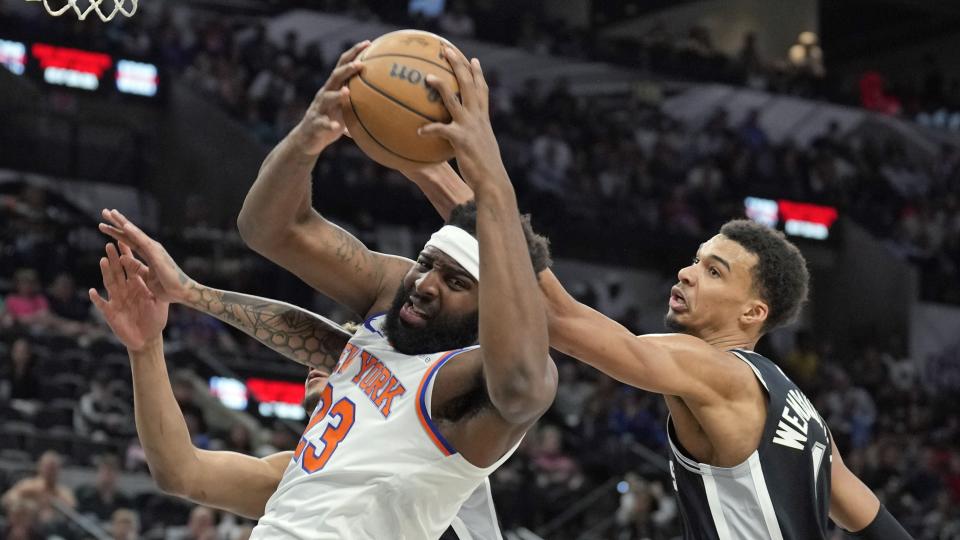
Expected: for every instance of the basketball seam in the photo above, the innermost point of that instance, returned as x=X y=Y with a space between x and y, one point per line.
x=441 y=66
x=356 y=113
x=397 y=101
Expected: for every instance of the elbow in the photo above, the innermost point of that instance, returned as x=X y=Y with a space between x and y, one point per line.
x=249 y=232
x=170 y=483
x=526 y=396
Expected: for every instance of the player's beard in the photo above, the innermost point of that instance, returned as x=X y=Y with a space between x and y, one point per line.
x=440 y=333
x=310 y=401
x=672 y=324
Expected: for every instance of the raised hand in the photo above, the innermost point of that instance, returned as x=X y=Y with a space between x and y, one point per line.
x=469 y=132
x=135 y=315
x=323 y=122
x=161 y=274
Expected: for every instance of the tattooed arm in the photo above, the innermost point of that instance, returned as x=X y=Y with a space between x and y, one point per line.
x=296 y=333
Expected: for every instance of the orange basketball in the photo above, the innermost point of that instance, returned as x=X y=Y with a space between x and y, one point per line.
x=390 y=99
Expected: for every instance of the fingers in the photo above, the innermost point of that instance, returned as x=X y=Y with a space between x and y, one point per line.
x=112 y=232
x=117 y=217
x=341 y=74
x=350 y=54
x=140 y=288
x=124 y=231
x=344 y=98
x=98 y=301
x=483 y=91
x=132 y=266
x=113 y=257
x=449 y=98
x=437 y=129
x=109 y=282
x=461 y=69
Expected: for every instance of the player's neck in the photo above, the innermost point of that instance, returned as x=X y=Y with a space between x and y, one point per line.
x=730 y=339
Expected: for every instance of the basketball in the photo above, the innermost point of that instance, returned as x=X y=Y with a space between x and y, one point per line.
x=390 y=100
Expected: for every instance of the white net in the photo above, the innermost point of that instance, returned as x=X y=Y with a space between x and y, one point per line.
x=93 y=6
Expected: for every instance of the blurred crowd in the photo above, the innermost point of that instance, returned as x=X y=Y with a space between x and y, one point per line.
x=617 y=164
x=583 y=168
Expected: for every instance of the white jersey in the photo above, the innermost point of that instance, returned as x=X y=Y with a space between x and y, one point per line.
x=371 y=463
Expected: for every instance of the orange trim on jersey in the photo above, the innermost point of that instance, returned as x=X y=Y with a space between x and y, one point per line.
x=424 y=415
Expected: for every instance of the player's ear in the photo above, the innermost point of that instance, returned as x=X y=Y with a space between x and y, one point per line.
x=755 y=313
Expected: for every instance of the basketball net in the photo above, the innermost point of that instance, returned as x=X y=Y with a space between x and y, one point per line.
x=119 y=6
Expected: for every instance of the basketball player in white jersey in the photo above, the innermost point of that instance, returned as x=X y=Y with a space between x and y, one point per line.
x=430 y=397
x=229 y=481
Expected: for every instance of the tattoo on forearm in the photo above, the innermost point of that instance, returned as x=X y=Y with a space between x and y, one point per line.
x=352 y=251
x=296 y=334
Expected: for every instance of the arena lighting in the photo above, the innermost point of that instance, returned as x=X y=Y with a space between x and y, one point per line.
x=799 y=219
x=281 y=399
x=13 y=54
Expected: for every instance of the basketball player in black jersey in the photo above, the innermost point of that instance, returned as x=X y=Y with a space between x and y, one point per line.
x=750 y=456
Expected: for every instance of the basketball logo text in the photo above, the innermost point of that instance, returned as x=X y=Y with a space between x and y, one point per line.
x=413 y=76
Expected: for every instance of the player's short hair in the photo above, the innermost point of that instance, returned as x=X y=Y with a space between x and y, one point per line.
x=464 y=216
x=780 y=276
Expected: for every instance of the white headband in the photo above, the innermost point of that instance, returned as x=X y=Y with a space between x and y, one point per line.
x=460 y=245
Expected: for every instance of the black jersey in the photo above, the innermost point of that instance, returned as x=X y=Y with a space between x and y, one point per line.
x=782 y=491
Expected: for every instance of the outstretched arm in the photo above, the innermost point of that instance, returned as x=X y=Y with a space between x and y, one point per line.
x=670 y=364
x=234 y=482
x=296 y=333
x=278 y=220
x=227 y=480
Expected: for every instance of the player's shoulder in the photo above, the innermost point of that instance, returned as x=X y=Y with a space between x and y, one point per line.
x=687 y=347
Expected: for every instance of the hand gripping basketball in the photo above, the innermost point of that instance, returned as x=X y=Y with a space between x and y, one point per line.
x=469 y=131
x=323 y=122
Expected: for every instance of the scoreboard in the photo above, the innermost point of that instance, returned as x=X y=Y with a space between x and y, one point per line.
x=90 y=71
x=800 y=219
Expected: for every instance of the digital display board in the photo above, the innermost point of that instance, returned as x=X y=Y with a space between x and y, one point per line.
x=280 y=399
x=79 y=69
x=13 y=55
x=800 y=219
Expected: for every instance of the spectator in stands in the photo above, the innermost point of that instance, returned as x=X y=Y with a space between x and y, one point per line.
x=239 y=439
x=64 y=301
x=124 y=525
x=802 y=362
x=21 y=371
x=27 y=304
x=646 y=510
x=103 y=499
x=200 y=526
x=552 y=159
x=43 y=490
x=456 y=22
x=556 y=470
x=751 y=64
x=22 y=522
x=100 y=415
x=751 y=133
x=573 y=393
